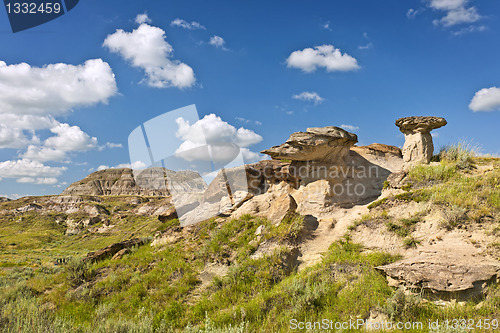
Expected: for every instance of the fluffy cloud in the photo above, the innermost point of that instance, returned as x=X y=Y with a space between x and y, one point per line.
x=456 y=11
x=187 y=25
x=27 y=168
x=146 y=48
x=54 y=89
x=327 y=56
x=487 y=99
x=310 y=96
x=349 y=127
x=12 y=137
x=70 y=138
x=28 y=122
x=135 y=165
x=43 y=154
x=31 y=98
x=142 y=18
x=39 y=181
x=55 y=148
x=447 y=4
x=218 y=42
x=220 y=135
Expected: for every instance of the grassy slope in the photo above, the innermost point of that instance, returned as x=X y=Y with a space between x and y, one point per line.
x=159 y=288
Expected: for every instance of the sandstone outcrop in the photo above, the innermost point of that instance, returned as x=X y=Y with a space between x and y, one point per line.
x=325 y=169
x=443 y=278
x=275 y=205
x=418 y=147
x=316 y=144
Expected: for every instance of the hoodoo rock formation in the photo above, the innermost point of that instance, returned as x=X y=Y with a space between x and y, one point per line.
x=316 y=144
x=418 y=147
x=312 y=173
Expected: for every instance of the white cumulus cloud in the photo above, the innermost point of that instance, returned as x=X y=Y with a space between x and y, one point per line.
x=39 y=181
x=135 y=165
x=147 y=48
x=326 y=56
x=27 y=168
x=142 y=18
x=30 y=99
x=213 y=131
x=218 y=42
x=310 y=96
x=456 y=12
x=487 y=99
x=55 y=148
x=12 y=137
x=54 y=89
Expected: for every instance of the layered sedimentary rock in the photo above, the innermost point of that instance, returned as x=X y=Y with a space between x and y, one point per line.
x=148 y=182
x=418 y=147
x=316 y=144
x=444 y=276
x=321 y=169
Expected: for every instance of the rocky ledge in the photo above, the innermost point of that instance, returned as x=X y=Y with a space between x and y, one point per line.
x=315 y=144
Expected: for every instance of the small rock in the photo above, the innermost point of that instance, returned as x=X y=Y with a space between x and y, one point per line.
x=120 y=254
x=396 y=179
x=259 y=230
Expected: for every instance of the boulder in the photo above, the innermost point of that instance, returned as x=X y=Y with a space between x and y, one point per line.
x=3 y=199
x=275 y=205
x=316 y=144
x=397 y=179
x=418 y=147
x=166 y=213
x=120 y=254
x=443 y=278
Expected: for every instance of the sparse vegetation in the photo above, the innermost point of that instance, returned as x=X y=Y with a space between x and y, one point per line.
x=454 y=217
x=462 y=154
x=410 y=242
x=377 y=203
x=164 y=289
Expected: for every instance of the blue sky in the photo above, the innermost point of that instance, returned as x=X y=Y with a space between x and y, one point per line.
x=271 y=67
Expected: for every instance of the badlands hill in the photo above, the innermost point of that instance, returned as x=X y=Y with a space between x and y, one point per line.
x=324 y=230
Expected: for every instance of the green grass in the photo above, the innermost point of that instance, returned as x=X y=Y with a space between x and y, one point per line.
x=160 y=289
x=429 y=174
x=377 y=203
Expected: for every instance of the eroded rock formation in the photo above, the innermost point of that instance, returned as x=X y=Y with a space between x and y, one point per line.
x=443 y=278
x=316 y=144
x=147 y=182
x=418 y=147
